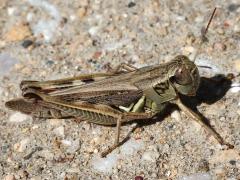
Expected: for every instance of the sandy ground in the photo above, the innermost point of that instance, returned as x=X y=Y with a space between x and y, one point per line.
x=42 y=40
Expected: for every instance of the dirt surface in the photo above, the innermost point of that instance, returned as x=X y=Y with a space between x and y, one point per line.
x=42 y=40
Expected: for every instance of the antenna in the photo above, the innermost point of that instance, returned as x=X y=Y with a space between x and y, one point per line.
x=203 y=34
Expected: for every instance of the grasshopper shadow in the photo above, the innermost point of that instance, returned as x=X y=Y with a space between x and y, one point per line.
x=210 y=91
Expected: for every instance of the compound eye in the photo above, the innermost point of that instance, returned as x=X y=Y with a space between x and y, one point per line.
x=182 y=76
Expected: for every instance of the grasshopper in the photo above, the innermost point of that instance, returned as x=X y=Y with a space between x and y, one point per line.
x=123 y=95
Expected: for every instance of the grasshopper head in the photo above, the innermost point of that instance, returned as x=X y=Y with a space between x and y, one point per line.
x=185 y=77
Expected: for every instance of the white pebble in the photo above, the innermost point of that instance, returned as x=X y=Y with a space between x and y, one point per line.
x=66 y=142
x=235 y=88
x=105 y=165
x=176 y=115
x=18 y=117
x=125 y=15
x=180 y=18
x=93 y=30
x=189 y=49
x=236 y=28
x=59 y=131
x=197 y=176
x=72 y=145
x=11 y=10
x=168 y=173
x=95 y=151
x=72 y=17
x=131 y=147
x=35 y=127
x=29 y=17
x=150 y=156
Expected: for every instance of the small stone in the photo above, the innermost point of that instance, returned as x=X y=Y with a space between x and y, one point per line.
x=236 y=28
x=105 y=165
x=190 y=52
x=190 y=39
x=73 y=145
x=199 y=19
x=82 y=12
x=84 y=3
x=35 y=127
x=220 y=30
x=163 y=31
x=66 y=142
x=93 y=30
x=64 y=21
x=95 y=141
x=189 y=49
x=180 y=18
x=29 y=17
x=238 y=111
x=27 y=43
x=27 y=70
x=1 y=91
x=225 y=156
x=22 y=145
x=36 y=178
x=235 y=88
x=18 y=32
x=97 y=55
x=233 y=7
x=18 y=117
x=11 y=10
x=168 y=173
x=72 y=17
x=176 y=115
x=150 y=156
x=131 y=147
x=59 y=131
x=232 y=162
x=23 y=174
x=219 y=46
x=46 y=154
x=138 y=178
x=131 y=4
x=237 y=64
x=9 y=177
x=165 y=147
x=198 y=176
x=2 y=43
x=55 y=122
x=6 y=63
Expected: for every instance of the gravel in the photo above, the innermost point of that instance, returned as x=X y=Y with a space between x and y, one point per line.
x=42 y=40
